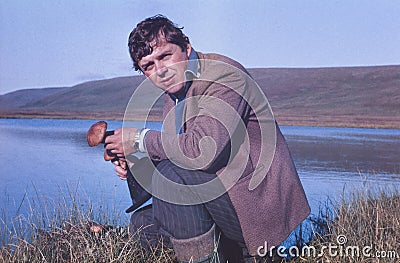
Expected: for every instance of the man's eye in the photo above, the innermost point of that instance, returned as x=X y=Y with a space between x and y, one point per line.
x=149 y=67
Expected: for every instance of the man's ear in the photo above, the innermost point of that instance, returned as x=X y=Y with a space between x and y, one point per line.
x=188 y=50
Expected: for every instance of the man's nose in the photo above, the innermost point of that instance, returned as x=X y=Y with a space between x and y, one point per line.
x=161 y=69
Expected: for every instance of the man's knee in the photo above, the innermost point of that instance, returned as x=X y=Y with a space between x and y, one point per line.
x=145 y=228
x=181 y=175
x=140 y=219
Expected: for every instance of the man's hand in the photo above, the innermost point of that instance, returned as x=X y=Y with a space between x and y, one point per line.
x=121 y=172
x=121 y=145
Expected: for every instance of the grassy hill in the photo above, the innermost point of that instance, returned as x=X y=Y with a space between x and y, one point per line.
x=347 y=96
x=343 y=96
x=20 y=98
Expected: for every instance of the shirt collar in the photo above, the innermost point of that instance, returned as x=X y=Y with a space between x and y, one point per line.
x=192 y=71
x=193 y=67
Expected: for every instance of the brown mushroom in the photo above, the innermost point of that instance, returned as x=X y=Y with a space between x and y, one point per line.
x=97 y=133
x=96 y=228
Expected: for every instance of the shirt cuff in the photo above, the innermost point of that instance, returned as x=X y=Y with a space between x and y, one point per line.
x=142 y=145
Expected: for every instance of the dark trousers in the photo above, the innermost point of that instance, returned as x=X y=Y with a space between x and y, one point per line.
x=163 y=219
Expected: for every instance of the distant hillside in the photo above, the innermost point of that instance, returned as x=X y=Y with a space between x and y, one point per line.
x=19 y=98
x=358 y=90
x=100 y=95
x=345 y=96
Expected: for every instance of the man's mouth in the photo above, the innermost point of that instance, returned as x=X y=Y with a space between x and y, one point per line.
x=168 y=80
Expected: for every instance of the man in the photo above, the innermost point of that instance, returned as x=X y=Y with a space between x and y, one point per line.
x=224 y=175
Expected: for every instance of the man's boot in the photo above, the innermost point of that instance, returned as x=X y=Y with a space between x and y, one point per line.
x=199 y=249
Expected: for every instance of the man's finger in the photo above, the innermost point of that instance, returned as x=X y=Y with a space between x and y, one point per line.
x=110 y=146
x=109 y=139
x=121 y=173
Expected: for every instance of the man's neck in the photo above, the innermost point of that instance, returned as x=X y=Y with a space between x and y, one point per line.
x=191 y=71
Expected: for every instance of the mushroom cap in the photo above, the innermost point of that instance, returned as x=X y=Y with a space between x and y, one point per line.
x=96 y=133
x=96 y=228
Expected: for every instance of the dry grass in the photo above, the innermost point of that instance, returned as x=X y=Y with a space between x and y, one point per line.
x=63 y=232
x=365 y=228
x=67 y=231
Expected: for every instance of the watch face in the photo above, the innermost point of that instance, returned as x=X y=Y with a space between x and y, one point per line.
x=136 y=140
x=136 y=146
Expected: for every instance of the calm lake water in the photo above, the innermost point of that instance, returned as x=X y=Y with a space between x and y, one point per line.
x=46 y=158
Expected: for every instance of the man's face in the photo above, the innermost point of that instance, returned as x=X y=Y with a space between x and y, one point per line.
x=162 y=66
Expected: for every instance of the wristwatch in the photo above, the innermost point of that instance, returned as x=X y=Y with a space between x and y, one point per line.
x=136 y=139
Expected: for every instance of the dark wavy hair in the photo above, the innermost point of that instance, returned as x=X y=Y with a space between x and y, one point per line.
x=154 y=28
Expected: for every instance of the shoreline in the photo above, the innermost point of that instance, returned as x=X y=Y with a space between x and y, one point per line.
x=343 y=121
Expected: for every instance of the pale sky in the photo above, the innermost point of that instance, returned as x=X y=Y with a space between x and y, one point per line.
x=57 y=43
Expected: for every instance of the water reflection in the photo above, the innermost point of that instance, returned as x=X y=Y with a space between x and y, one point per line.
x=46 y=157
x=333 y=161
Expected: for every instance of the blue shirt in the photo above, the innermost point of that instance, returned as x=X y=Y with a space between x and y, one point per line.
x=191 y=71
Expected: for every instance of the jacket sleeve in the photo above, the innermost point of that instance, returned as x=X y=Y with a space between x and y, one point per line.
x=212 y=134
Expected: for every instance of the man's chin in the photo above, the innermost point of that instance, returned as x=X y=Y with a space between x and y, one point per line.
x=174 y=88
